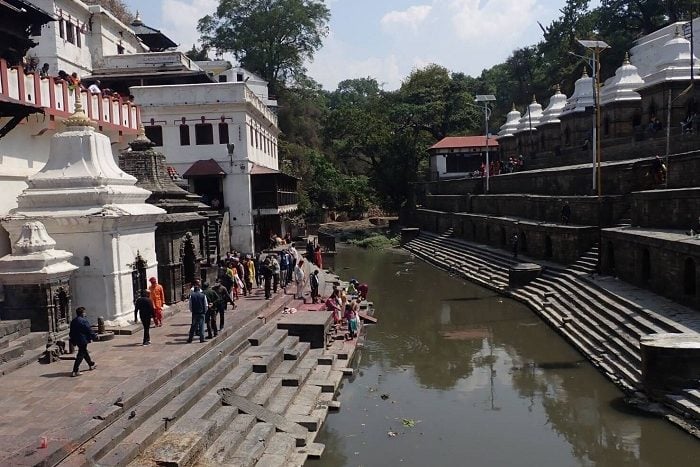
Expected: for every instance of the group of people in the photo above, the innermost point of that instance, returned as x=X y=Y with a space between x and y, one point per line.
x=344 y=304
x=496 y=167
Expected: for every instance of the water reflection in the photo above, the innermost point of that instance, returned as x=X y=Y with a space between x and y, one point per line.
x=484 y=382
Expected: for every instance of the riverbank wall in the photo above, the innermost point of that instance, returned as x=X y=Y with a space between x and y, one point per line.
x=597 y=315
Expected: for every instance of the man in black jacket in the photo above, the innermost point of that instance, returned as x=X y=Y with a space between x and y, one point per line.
x=81 y=334
x=144 y=307
x=198 y=308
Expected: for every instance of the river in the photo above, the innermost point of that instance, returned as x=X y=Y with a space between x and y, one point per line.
x=454 y=375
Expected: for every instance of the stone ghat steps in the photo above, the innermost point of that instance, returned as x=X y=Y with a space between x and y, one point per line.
x=147 y=410
x=604 y=327
x=265 y=410
x=18 y=345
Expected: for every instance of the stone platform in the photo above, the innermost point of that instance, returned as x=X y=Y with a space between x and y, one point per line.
x=309 y=326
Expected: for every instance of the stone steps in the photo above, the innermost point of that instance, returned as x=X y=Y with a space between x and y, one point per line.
x=577 y=308
x=18 y=345
x=263 y=416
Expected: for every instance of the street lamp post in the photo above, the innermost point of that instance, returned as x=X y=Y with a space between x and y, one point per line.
x=596 y=47
x=486 y=98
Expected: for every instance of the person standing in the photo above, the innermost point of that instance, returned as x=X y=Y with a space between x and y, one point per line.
x=314 y=282
x=266 y=273
x=284 y=266
x=80 y=335
x=275 y=267
x=212 y=308
x=299 y=277
x=198 y=307
x=565 y=213
x=318 y=257
x=158 y=298
x=145 y=308
x=514 y=244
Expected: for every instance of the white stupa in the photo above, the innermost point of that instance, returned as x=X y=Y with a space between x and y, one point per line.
x=92 y=209
x=621 y=87
x=582 y=96
x=674 y=62
x=555 y=108
x=511 y=124
x=531 y=118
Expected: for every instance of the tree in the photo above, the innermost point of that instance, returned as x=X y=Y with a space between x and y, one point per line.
x=117 y=7
x=198 y=55
x=272 y=38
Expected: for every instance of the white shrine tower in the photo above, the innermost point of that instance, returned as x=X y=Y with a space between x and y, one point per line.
x=94 y=210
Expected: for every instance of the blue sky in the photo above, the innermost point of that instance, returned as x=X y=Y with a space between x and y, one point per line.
x=386 y=39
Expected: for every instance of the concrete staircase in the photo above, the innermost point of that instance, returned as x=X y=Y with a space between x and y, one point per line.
x=18 y=345
x=603 y=326
x=258 y=397
x=588 y=263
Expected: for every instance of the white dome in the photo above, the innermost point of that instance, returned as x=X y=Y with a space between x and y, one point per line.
x=582 y=96
x=621 y=87
x=531 y=118
x=674 y=62
x=555 y=107
x=511 y=123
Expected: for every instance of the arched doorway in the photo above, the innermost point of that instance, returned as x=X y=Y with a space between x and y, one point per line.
x=488 y=234
x=548 y=247
x=503 y=237
x=473 y=231
x=646 y=266
x=689 y=281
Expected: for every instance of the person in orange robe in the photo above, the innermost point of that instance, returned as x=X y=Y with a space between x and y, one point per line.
x=158 y=299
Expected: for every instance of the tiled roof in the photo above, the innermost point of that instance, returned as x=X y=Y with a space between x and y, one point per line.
x=173 y=173
x=203 y=168
x=464 y=142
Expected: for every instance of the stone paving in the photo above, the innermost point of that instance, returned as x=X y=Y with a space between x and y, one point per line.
x=42 y=403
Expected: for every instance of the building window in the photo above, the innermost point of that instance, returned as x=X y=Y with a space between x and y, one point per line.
x=184 y=135
x=203 y=133
x=223 y=133
x=222 y=78
x=78 y=40
x=457 y=163
x=155 y=134
x=70 y=33
x=120 y=49
x=239 y=77
x=62 y=28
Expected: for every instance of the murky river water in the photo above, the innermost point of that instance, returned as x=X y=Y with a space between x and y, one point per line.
x=456 y=376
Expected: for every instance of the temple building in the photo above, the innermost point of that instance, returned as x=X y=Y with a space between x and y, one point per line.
x=549 y=126
x=620 y=103
x=459 y=156
x=526 y=132
x=507 y=144
x=577 y=116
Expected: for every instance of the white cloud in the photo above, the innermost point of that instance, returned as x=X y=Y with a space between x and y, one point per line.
x=180 y=17
x=492 y=21
x=411 y=17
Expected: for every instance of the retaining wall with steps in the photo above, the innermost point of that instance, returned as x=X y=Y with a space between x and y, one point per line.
x=603 y=326
x=18 y=345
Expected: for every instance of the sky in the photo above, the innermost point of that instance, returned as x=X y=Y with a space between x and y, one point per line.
x=387 y=39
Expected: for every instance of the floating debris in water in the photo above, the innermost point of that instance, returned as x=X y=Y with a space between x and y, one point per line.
x=384 y=396
x=392 y=434
x=408 y=422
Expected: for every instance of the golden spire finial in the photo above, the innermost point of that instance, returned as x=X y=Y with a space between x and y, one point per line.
x=557 y=89
x=513 y=109
x=534 y=99
x=626 y=61
x=78 y=118
x=585 y=73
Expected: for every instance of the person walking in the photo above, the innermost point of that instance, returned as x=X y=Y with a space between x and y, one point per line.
x=80 y=335
x=224 y=300
x=158 y=298
x=212 y=308
x=198 y=307
x=318 y=257
x=299 y=277
x=514 y=244
x=146 y=310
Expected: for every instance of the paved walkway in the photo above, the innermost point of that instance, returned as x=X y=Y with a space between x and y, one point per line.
x=40 y=401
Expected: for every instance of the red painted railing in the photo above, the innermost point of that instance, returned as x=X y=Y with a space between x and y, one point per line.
x=109 y=112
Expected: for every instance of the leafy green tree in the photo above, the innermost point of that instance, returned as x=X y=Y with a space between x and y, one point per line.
x=272 y=38
x=117 y=7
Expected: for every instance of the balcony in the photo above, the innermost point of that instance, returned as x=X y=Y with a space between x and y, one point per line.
x=273 y=192
x=53 y=96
